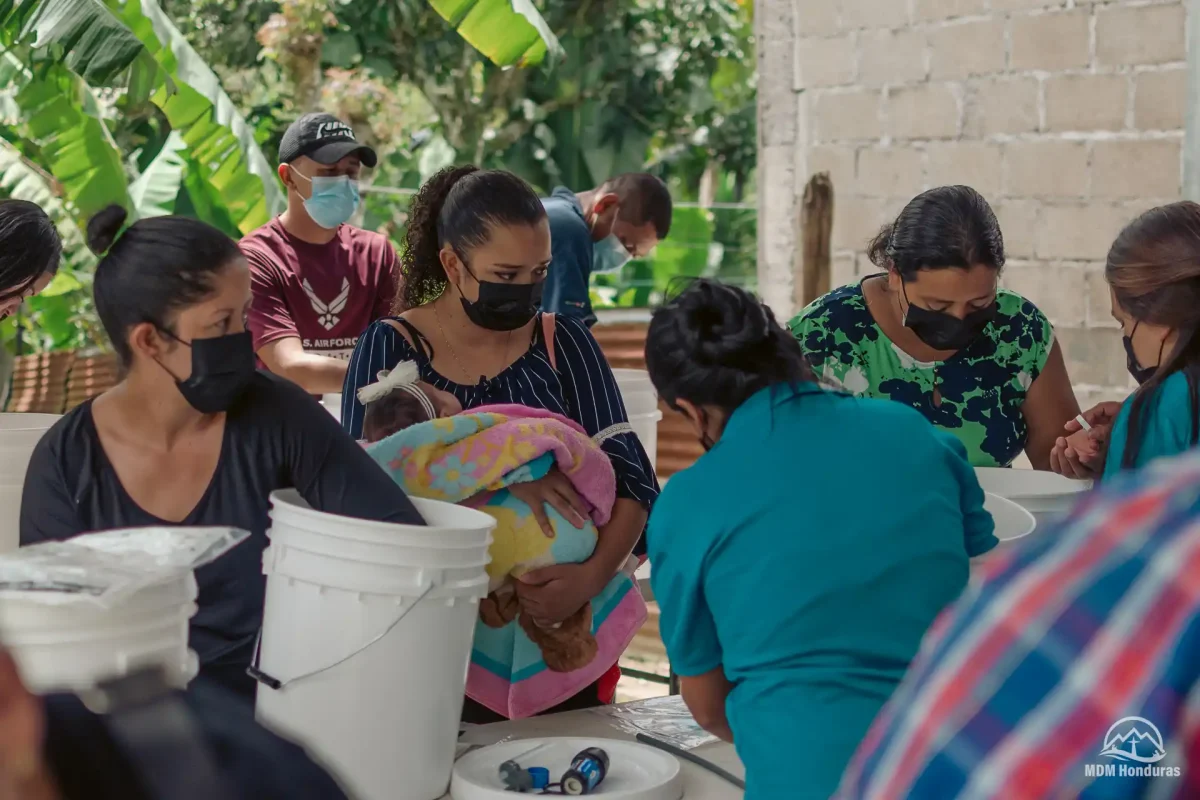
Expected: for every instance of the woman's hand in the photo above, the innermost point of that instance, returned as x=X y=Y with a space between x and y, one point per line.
x=557 y=491
x=553 y=594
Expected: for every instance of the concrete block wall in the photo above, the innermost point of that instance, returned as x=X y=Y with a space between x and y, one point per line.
x=1068 y=115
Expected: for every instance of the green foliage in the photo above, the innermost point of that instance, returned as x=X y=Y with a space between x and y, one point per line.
x=511 y=33
x=82 y=84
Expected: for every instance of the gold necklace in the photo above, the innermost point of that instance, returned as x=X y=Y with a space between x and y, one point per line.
x=454 y=353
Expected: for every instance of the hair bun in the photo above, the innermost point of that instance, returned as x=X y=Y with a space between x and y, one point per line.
x=726 y=324
x=104 y=227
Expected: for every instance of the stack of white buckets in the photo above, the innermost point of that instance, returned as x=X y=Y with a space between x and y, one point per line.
x=19 y=434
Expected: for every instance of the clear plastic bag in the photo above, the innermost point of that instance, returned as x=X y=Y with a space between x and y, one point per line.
x=186 y=548
x=105 y=568
x=665 y=718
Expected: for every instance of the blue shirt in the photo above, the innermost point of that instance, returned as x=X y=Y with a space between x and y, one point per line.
x=566 y=289
x=1167 y=427
x=806 y=554
x=582 y=388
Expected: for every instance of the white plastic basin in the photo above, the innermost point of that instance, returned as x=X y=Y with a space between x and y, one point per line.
x=1012 y=521
x=1046 y=495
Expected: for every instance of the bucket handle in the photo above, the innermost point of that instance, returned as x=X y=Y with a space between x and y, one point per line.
x=256 y=672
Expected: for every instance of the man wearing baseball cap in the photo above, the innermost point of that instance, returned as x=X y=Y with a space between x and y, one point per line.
x=318 y=282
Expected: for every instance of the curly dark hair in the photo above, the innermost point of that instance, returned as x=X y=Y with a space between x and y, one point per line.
x=715 y=344
x=458 y=206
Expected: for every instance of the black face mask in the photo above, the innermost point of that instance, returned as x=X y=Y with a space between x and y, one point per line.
x=502 y=306
x=222 y=368
x=943 y=331
x=1140 y=374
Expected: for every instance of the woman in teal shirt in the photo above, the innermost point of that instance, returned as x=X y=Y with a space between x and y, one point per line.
x=1153 y=274
x=798 y=563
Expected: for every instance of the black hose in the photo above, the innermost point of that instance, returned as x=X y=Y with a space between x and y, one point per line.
x=703 y=763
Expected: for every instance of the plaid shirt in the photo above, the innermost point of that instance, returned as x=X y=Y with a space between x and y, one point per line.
x=1017 y=686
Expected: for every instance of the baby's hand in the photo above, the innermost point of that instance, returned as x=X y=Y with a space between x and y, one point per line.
x=1084 y=445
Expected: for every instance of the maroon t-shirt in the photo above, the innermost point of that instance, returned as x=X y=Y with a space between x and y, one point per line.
x=325 y=295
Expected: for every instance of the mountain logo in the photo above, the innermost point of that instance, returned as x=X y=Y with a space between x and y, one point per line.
x=1134 y=739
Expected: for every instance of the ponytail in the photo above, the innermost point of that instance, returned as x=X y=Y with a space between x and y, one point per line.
x=458 y=206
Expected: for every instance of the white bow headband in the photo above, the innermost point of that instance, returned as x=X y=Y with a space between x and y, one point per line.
x=403 y=377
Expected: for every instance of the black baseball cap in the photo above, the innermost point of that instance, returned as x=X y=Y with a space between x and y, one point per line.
x=325 y=139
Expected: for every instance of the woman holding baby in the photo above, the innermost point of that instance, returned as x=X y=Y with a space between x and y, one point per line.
x=478 y=250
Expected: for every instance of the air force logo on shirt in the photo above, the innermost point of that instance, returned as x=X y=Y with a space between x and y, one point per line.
x=328 y=314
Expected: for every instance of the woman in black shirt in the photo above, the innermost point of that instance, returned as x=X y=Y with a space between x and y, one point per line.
x=193 y=434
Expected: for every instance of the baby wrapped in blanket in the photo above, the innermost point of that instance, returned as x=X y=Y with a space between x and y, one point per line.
x=519 y=666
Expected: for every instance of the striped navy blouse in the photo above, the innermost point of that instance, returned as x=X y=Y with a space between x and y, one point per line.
x=582 y=388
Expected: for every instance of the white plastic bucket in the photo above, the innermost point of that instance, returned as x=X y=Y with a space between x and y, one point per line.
x=1046 y=495
x=641 y=403
x=333 y=404
x=72 y=647
x=368 y=626
x=19 y=434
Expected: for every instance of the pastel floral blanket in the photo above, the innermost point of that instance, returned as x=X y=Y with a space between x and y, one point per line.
x=521 y=666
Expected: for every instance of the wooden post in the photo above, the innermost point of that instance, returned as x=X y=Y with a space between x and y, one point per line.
x=814 y=257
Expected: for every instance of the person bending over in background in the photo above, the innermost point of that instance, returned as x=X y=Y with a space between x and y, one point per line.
x=599 y=231
x=478 y=249
x=936 y=332
x=30 y=250
x=1153 y=274
x=792 y=592
x=318 y=282
x=193 y=434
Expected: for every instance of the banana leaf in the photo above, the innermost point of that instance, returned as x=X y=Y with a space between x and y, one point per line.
x=511 y=33
x=155 y=190
x=134 y=40
x=219 y=139
x=21 y=180
x=74 y=146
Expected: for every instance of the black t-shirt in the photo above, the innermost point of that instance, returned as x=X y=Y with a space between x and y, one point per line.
x=255 y=763
x=276 y=437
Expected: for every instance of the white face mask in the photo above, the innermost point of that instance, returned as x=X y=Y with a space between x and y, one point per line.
x=609 y=254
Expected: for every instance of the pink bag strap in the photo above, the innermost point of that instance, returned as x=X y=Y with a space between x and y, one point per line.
x=548 y=327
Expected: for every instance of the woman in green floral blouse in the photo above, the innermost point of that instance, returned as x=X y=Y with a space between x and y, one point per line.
x=936 y=332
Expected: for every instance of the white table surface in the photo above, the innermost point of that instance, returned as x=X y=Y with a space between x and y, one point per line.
x=699 y=784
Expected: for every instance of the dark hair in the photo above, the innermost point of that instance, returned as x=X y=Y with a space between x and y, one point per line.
x=643 y=198
x=717 y=345
x=1153 y=268
x=458 y=206
x=951 y=226
x=30 y=246
x=157 y=266
x=390 y=414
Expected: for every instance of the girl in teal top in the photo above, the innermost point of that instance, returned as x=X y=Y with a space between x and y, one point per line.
x=798 y=563
x=1153 y=273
